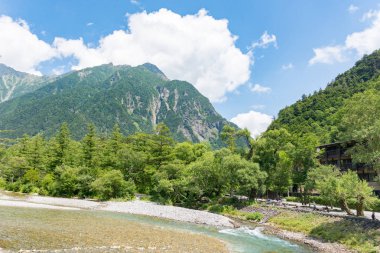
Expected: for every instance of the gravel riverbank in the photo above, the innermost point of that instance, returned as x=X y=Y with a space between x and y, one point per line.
x=320 y=246
x=131 y=207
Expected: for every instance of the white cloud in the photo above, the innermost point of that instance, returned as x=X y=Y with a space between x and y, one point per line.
x=257 y=88
x=89 y=24
x=328 y=55
x=20 y=48
x=368 y=40
x=287 y=66
x=352 y=8
x=369 y=15
x=58 y=70
x=137 y=2
x=363 y=42
x=255 y=122
x=196 y=48
x=265 y=40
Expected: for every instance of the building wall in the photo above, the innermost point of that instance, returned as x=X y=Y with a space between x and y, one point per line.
x=336 y=154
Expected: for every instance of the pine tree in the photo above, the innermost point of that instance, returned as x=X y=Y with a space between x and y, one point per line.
x=61 y=144
x=89 y=146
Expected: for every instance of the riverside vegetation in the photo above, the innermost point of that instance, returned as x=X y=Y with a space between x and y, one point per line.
x=360 y=236
x=184 y=174
x=104 y=165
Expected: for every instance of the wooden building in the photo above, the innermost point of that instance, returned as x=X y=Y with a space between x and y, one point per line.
x=336 y=154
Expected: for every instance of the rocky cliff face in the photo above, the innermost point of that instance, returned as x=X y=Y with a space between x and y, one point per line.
x=136 y=98
x=14 y=83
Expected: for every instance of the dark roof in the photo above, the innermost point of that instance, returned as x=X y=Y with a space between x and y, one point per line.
x=334 y=144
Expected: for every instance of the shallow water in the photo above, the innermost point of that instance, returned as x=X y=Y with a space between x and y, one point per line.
x=240 y=240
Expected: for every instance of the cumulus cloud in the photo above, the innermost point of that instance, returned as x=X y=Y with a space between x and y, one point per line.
x=20 y=48
x=287 y=66
x=196 y=48
x=257 y=88
x=363 y=42
x=352 y=8
x=329 y=55
x=89 y=24
x=255 y=122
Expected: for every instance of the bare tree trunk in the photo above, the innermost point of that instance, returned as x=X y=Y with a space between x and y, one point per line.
x=344 y=206
x=360 y=207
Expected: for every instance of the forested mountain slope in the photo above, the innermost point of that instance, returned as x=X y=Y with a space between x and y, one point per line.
x=316 y=113
x=136 y=98
x=14 y=83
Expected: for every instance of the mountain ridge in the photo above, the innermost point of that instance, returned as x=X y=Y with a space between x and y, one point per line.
x=316 y=113
x=136 y=98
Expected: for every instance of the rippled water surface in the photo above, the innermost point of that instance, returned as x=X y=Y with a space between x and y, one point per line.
x=240 y=240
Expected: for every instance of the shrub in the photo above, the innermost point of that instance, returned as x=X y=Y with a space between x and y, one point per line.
x=47 y=185
x=67 y=183
x=3 y=183
x=29 y=188
x=292 y=199
x=216 y=208
x=112 y=185
x=32 y=176
x=255 y=216
x=15 y=186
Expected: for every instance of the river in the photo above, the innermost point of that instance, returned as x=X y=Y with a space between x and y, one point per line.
x=239 y=240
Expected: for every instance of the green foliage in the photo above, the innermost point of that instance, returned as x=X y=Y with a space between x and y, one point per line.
x=337 y=188
x=3 y=183
x=255 y=216
x=141 y=98
x=354 y=235
x=112 y=185
x=316 y=113
x=359 y=121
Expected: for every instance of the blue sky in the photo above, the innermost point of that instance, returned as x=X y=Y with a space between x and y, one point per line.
x=269 y=64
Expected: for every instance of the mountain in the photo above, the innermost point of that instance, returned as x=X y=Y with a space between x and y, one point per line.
x=14 y=83
x=316 y=113
x=136 y=98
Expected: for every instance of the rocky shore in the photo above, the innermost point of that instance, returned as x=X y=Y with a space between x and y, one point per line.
x=320 y=246
x=131 y=207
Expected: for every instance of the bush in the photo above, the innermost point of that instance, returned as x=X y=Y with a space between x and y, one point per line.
x=29 y=188
x=15 y=186
x=112 y=185
x=223 y=209
x=293 y=199
x=67 y=183
x=47 y=185
x=216 y=208
x=3 y=183
x=255 y=216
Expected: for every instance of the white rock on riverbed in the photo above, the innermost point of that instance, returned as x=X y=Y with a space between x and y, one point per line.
x=131 y=207
x=169 y=212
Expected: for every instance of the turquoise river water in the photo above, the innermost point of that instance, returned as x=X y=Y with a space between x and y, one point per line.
x=239 y=240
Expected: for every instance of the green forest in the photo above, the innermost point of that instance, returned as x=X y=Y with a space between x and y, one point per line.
x=116 y=166
x=179 y=173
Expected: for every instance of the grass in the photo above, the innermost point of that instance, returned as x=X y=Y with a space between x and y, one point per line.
x=233 y=212
x=355 y=235
x=28 y=228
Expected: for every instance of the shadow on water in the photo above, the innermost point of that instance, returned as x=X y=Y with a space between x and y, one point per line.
x=240 y=240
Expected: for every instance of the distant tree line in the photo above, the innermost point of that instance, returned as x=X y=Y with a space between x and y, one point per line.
x=185 y=174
